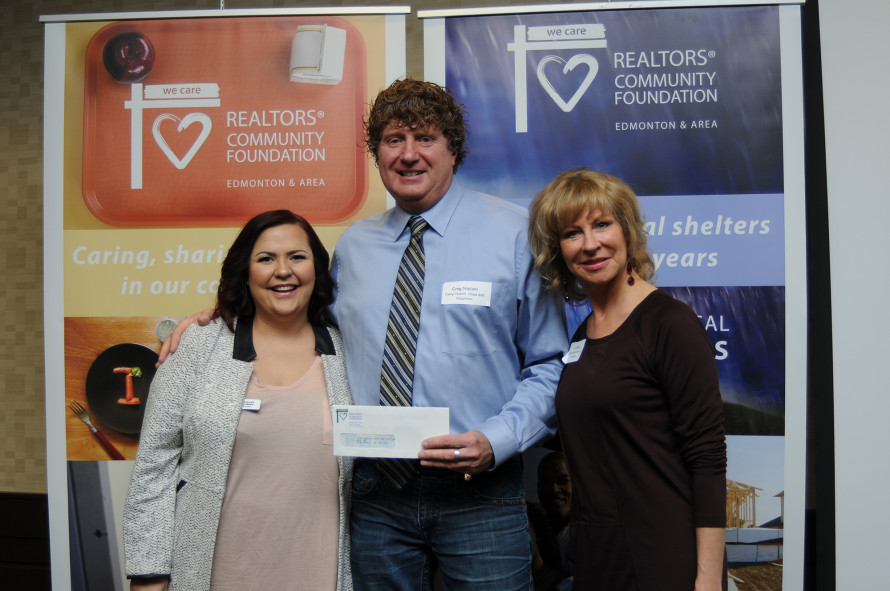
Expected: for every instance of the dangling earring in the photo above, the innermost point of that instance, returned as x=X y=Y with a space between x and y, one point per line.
x=630 y=277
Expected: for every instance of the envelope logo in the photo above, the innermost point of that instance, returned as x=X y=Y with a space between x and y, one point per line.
x=183 y=124
x=568 y=66
x=342 y=413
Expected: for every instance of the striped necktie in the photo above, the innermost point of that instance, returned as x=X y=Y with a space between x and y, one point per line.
x=397 y=375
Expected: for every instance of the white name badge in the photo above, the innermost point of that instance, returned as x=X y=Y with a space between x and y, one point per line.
x=574 y=352
x=468 y=293
x=251 y=404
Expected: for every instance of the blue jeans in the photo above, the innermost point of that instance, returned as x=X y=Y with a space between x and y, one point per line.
x=475 y=531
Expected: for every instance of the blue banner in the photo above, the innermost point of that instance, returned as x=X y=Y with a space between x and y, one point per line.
x=676 y=102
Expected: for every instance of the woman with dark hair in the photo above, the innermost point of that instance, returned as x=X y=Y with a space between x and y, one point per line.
x=638 y=404
x=235 y=485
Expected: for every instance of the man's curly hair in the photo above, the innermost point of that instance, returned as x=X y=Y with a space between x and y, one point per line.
x=415 y=103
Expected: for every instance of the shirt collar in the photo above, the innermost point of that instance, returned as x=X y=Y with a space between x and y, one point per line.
x=437 y=216
x=244 y=351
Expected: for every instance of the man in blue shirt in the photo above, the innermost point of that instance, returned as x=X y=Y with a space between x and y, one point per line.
x=489 y=347
x=492 y=357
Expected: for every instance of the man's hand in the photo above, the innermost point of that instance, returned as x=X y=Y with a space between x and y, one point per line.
x=172 y=342
x=474 y=453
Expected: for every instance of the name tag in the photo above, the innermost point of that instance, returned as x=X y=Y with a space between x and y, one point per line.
x=468 y=293
x=574 y=352
x=252 y=404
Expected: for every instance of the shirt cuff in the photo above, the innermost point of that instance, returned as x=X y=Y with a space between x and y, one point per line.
x=502 y=442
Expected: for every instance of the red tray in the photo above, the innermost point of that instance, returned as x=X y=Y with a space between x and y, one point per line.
x=303 y=152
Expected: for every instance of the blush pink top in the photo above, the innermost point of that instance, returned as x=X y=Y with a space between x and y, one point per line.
x=280 y=515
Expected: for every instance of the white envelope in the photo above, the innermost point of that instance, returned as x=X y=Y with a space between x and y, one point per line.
x=386 y=431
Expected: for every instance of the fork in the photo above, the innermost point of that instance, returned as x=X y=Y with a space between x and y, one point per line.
x=81 y=413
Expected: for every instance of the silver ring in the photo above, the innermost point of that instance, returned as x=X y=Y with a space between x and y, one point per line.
x=456 y=455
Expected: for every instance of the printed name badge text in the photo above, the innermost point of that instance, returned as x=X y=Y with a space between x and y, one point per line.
x=468 y=293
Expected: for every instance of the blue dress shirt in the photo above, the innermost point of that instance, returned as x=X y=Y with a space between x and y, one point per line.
x=495 y=367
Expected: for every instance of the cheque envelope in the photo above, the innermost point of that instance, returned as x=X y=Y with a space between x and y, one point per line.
x=386 y=431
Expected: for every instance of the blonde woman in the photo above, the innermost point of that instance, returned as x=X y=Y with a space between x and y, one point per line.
x=639 y=408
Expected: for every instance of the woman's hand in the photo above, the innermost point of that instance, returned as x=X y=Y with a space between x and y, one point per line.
x=157 y=584
x=710 y=585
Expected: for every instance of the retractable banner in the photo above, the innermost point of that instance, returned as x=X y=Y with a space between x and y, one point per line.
x=699 y=109
x=165 y=133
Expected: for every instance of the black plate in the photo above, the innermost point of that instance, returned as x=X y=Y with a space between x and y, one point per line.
x=104 y=387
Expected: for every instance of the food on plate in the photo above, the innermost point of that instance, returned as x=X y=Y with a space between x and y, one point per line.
x=132 y=372
x=128 y=57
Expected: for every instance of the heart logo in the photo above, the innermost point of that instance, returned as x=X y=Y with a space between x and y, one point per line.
x=184 y=123
x=568 y=66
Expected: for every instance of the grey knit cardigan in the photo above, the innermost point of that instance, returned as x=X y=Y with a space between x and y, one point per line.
x=179 y=477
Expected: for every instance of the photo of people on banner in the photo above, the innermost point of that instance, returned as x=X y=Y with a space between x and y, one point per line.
x=685 y=105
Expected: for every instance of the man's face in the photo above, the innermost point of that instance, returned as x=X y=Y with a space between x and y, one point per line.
x=555 y=488
x=416 y=166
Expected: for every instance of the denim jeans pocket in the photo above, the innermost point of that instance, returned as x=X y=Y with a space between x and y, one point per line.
x=502 y=486
x=366 y=481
